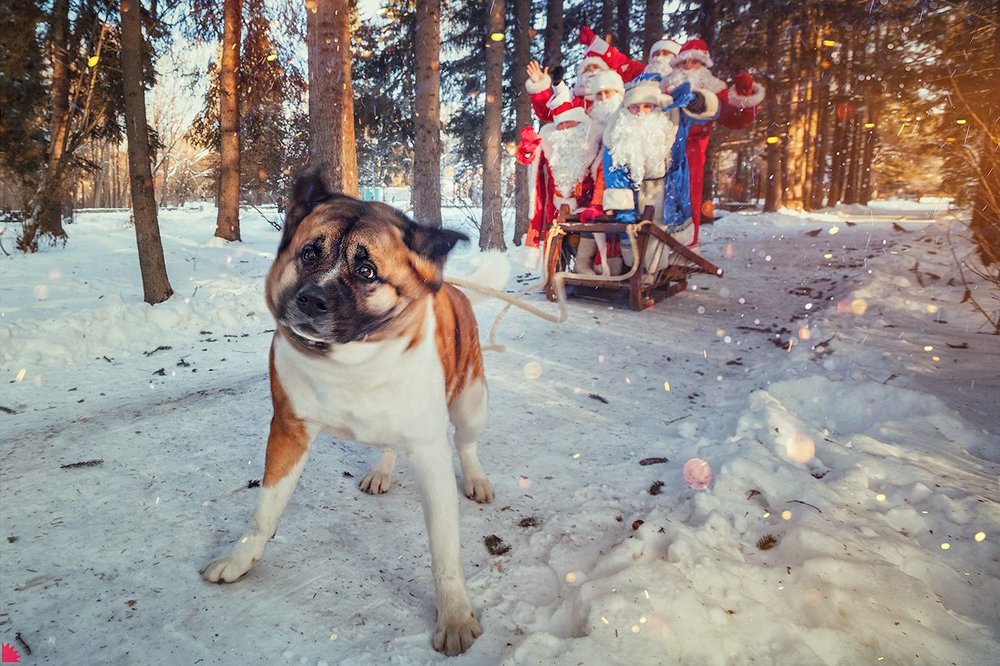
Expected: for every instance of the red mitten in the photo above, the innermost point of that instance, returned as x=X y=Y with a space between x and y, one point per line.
x=530 y=139
x=586 y=36
x=743 y=84
x=587 y=215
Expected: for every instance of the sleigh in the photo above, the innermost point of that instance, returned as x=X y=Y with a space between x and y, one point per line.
x=644 y=284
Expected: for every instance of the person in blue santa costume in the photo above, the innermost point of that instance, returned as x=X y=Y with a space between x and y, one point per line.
x=738 y=105
x=644 y=159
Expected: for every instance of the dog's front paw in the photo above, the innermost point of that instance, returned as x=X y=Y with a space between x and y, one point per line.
x=453 y=637
x=376 y=483
x=227 y=569
x=480 y=490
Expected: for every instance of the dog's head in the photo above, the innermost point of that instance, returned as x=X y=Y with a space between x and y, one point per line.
x=350 y=270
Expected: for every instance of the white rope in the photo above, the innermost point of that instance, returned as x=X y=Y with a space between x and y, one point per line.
x=517 y=302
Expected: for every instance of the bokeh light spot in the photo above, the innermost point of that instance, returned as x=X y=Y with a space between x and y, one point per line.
x=697 y=474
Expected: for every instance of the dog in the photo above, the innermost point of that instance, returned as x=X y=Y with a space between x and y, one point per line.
x=371 y=345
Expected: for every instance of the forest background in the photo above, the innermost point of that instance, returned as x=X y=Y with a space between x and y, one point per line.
x=866 y=98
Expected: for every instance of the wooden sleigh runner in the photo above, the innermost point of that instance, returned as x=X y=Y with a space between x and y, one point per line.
x=645 y=284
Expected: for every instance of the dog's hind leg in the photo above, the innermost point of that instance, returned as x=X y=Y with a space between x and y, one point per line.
x=379 y=477
x=287 y=449
x=468 y=414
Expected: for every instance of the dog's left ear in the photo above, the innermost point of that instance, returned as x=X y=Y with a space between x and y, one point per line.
x=308 y=191
x=430 y=243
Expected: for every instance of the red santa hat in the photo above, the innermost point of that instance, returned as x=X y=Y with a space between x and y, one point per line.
x=597 y=53
x=566 y=108
x=668 y=45
x=592 y=58
x=693 y=49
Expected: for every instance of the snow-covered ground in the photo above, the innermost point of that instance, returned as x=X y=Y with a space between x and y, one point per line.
x=843 y=396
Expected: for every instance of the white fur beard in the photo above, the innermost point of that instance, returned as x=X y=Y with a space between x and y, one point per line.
x=699 y=78
x=659 y=66
x=570 y=153
x=641 y=143
x=601 y=110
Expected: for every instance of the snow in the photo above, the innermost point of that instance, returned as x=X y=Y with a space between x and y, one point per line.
x=839 y=392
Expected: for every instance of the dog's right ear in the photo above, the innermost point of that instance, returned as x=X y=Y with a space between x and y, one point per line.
x=308 y=191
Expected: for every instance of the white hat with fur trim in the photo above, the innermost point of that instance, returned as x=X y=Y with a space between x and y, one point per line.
x=668 y=45
x=693 y=49
x=606 y=80
x=645 y=89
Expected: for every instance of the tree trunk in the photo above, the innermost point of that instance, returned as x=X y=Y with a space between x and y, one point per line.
x=427 y=109
x=331 y=95
x=607 y=18
x=838 y=152
x=554 y=25
x=155 y=284
x=522 y=114
x=985 y=223
x=822 y=143
x=46 y=205
x=653 y=30
x=837 y=155
x=227 y=223
x=773 y=186
x=796 y=131
x=624 y=33
x=491 y=229
x=810 y=41
x=854 y=161
x=870 y=139
x=707 y=23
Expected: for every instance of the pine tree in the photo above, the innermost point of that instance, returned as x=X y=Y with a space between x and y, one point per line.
x=272 y=130
x=427 y=116
x=84 y=102
x=331 y=94
x=491 y=230
x=227 y=224
x=155 y=283
x=384 y=91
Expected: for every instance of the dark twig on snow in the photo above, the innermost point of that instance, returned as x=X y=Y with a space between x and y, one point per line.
x=160 y=348
x=806 y=503
x=598 y=398
x=17 y=637
x=84 y=463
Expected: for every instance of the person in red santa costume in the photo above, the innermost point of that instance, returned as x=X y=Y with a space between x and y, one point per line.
x=660 y=56
x=737 y=109
x=562 y=156
x=600 y=57
x=540 y=89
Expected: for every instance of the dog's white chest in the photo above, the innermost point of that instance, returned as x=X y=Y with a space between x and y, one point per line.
x=375 y=393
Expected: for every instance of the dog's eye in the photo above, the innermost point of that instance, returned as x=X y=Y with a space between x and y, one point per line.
x=309 y=254
x=366 y=271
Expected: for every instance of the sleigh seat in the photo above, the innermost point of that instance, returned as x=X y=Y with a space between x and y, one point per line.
x=645 y=284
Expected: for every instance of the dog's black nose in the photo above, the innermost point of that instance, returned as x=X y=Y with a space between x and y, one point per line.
x=312 y=301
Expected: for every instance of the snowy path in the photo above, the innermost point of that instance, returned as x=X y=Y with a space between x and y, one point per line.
x=846 y=405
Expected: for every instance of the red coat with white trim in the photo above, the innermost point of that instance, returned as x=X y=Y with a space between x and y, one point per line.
x=736 y=112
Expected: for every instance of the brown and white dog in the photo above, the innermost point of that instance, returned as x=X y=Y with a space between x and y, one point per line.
x=372 y=346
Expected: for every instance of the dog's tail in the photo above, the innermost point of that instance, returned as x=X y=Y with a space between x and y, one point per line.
x=490 y=270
